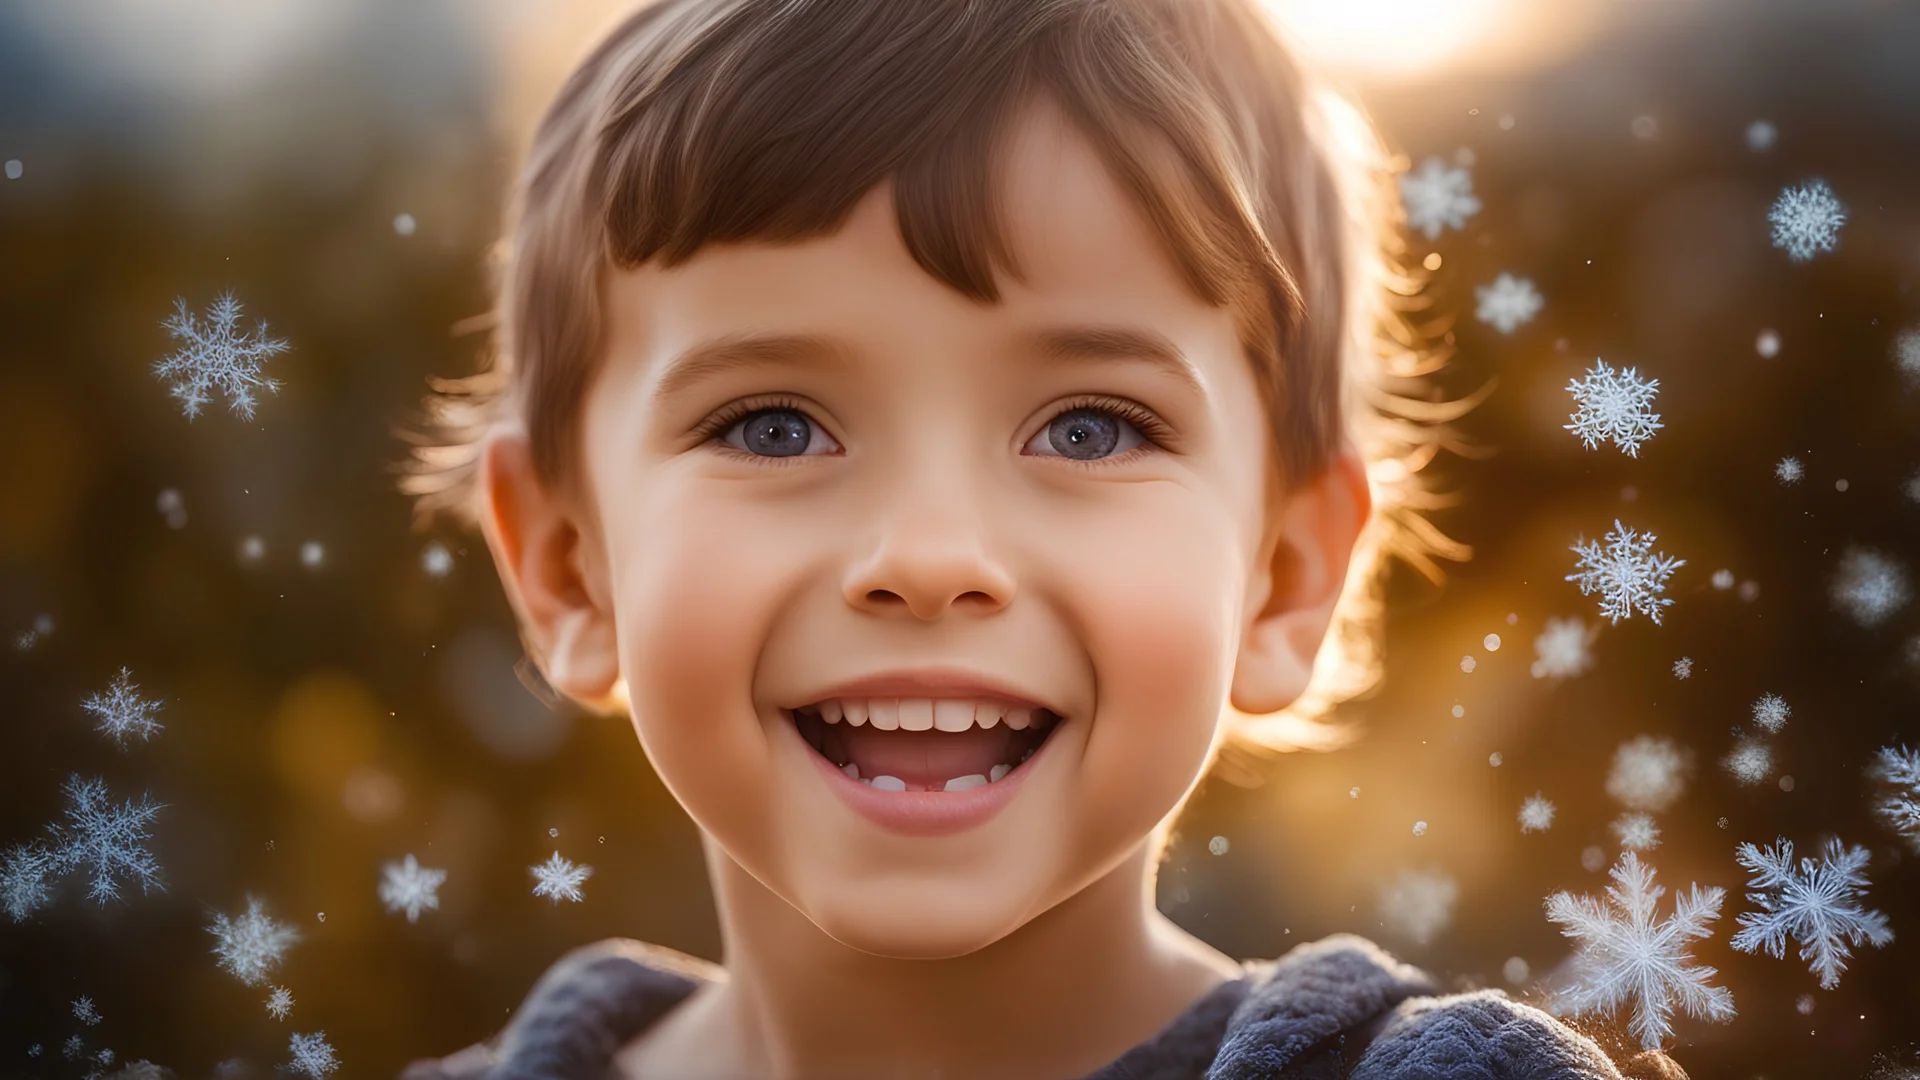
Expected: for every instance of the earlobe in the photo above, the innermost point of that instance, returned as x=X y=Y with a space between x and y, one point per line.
x=1298 y=582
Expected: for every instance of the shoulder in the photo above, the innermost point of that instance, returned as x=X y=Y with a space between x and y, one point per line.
x=1482 y=1036
x=590 y=1001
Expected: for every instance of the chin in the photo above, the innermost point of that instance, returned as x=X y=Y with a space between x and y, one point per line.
x=960 y=925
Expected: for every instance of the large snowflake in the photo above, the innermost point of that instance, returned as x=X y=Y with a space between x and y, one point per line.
x=110 y=841
x=1564 y=648
x=1816 y=904
x=251 y=945
x=1625 y=572
x=559 y=879
x=407 y=886
x=1626 y=956
x=1870 y=586
x=1897 y=769
x=1508 y=303
x=218 y=356
x=120 y=713
x=24 y=888
x=1437 y=197
x=1615 y=406
x=312 y=1056
x=1806 y=220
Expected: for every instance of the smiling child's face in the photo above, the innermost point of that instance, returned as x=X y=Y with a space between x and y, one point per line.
x=936 y=490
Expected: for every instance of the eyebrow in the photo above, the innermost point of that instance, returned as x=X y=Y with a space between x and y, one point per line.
x=1059 y=344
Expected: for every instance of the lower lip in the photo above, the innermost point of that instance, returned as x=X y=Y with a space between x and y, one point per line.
x=920 y=813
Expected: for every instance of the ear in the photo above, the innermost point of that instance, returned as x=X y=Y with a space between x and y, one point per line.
x=1297 y=582
x=552 y=575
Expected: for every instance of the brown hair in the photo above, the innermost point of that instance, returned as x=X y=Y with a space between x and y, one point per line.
x=709 y=121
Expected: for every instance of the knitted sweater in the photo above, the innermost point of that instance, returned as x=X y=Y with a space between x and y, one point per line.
x=1335 y=1009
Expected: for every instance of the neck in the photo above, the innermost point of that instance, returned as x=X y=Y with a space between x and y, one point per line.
x=1069 y=991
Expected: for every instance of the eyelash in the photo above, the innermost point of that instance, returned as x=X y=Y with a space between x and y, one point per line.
x=1154 y=430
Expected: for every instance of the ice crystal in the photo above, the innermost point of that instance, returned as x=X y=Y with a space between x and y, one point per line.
x=251 y=945
x=1564 y=648
x=1789 y=470
x=1625 y=572
x=1870 y=586
x=1648 y=773
x=1897 y=805
x=73 y=1047
x=110 y=841
x=1750 y=761
x=1627 y=957
x=1636 y=832
x=406 y=885
x=312 y=1055
x=1906 y=354
x=23 y=879
x=559 y=879
x=85 y=1012
x=217 y=356
x=1536 y=814
x=1771 y=712
x=1508 y=303
x=1614 y=406
x=1437 y=197
x=1806 y=220
x=280 y=1003
x=1683 y=668
x=1816 y=904
x=1418 y=904
x=120 y=713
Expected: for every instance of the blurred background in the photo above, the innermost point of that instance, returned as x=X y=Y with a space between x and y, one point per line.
x=339 y=689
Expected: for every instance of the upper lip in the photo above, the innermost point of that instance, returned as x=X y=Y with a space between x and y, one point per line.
x=929 y=683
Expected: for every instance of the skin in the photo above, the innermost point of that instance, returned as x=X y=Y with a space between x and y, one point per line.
x=931 y=520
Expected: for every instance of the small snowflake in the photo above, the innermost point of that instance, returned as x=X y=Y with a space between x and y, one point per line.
x=1636 y=832
x=1627 y=957
x=1870 y=586
x=1614 y=406
x=559 y=879
x=1750 y=761
x=108 y=840
x=1806 y=220
x=1789 y=470
x=312 y=1055
x=436 y=560
x=1536 y=814
x=1683 y=668
x=1564 y=648
x=1906 y=354
x=1508 y=303
x=280 y=1003
x=1817 y=905
x=84 y=1011
x=1648 y=773
x=24 y=871
x=120 y=712
x=1897 y=770
x=1760 y=135
x=1437 y=197
x=1418 y=905
x=217 y=356
x=250 y=946
x=406 y=885
x=1771 y=712
x=1625 y=572
x=1912 y=488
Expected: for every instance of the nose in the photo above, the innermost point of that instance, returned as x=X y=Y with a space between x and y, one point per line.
x=931 y=553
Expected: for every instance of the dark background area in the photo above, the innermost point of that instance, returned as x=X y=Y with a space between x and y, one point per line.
x=323 y=720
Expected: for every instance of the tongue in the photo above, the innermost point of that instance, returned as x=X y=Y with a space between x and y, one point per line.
x=923 y=759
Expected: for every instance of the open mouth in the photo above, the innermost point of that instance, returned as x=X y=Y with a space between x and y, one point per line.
x=917 y=744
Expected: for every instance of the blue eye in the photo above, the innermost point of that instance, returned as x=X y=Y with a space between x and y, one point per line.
x=1094 y=433
x=780 y=431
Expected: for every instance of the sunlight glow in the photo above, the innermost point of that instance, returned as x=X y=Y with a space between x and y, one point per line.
x=1398 y=36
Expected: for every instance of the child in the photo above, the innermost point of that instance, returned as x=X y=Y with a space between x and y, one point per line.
x=947 y=426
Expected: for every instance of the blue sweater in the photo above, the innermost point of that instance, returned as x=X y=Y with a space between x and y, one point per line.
x=1335 y=1009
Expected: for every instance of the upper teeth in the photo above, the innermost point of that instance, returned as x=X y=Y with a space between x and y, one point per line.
x=924 y=714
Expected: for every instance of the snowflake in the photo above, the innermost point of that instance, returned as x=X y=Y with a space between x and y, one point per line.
x=1626 y=956
x=1912 y=488
x=1637 y=832
x=1508 y=303
x=1625 y=573
x=109 y=840
x=1870 y=586
x=73 y=1047
x=1536 y=814
x=217 y=356
x=119 y=711
x=1564 y=648
x=251 y=945
x=436 y=560
x=1437 y=197
x=1771 y=712
x=1683 y=668
x=1817 y=905
x=559 y=879
x=312 y=1055
x=1614 y=406
x=1898 y=769
x=1750 y=761
x=1418 y=904
x=1760 y=135
x=84 y=1011
x=406 y=884
x=1906 y=354
x=1806 y=220
x=280 y=1003
x=1789 y=470
x=1648 y=773
x=23 y=879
